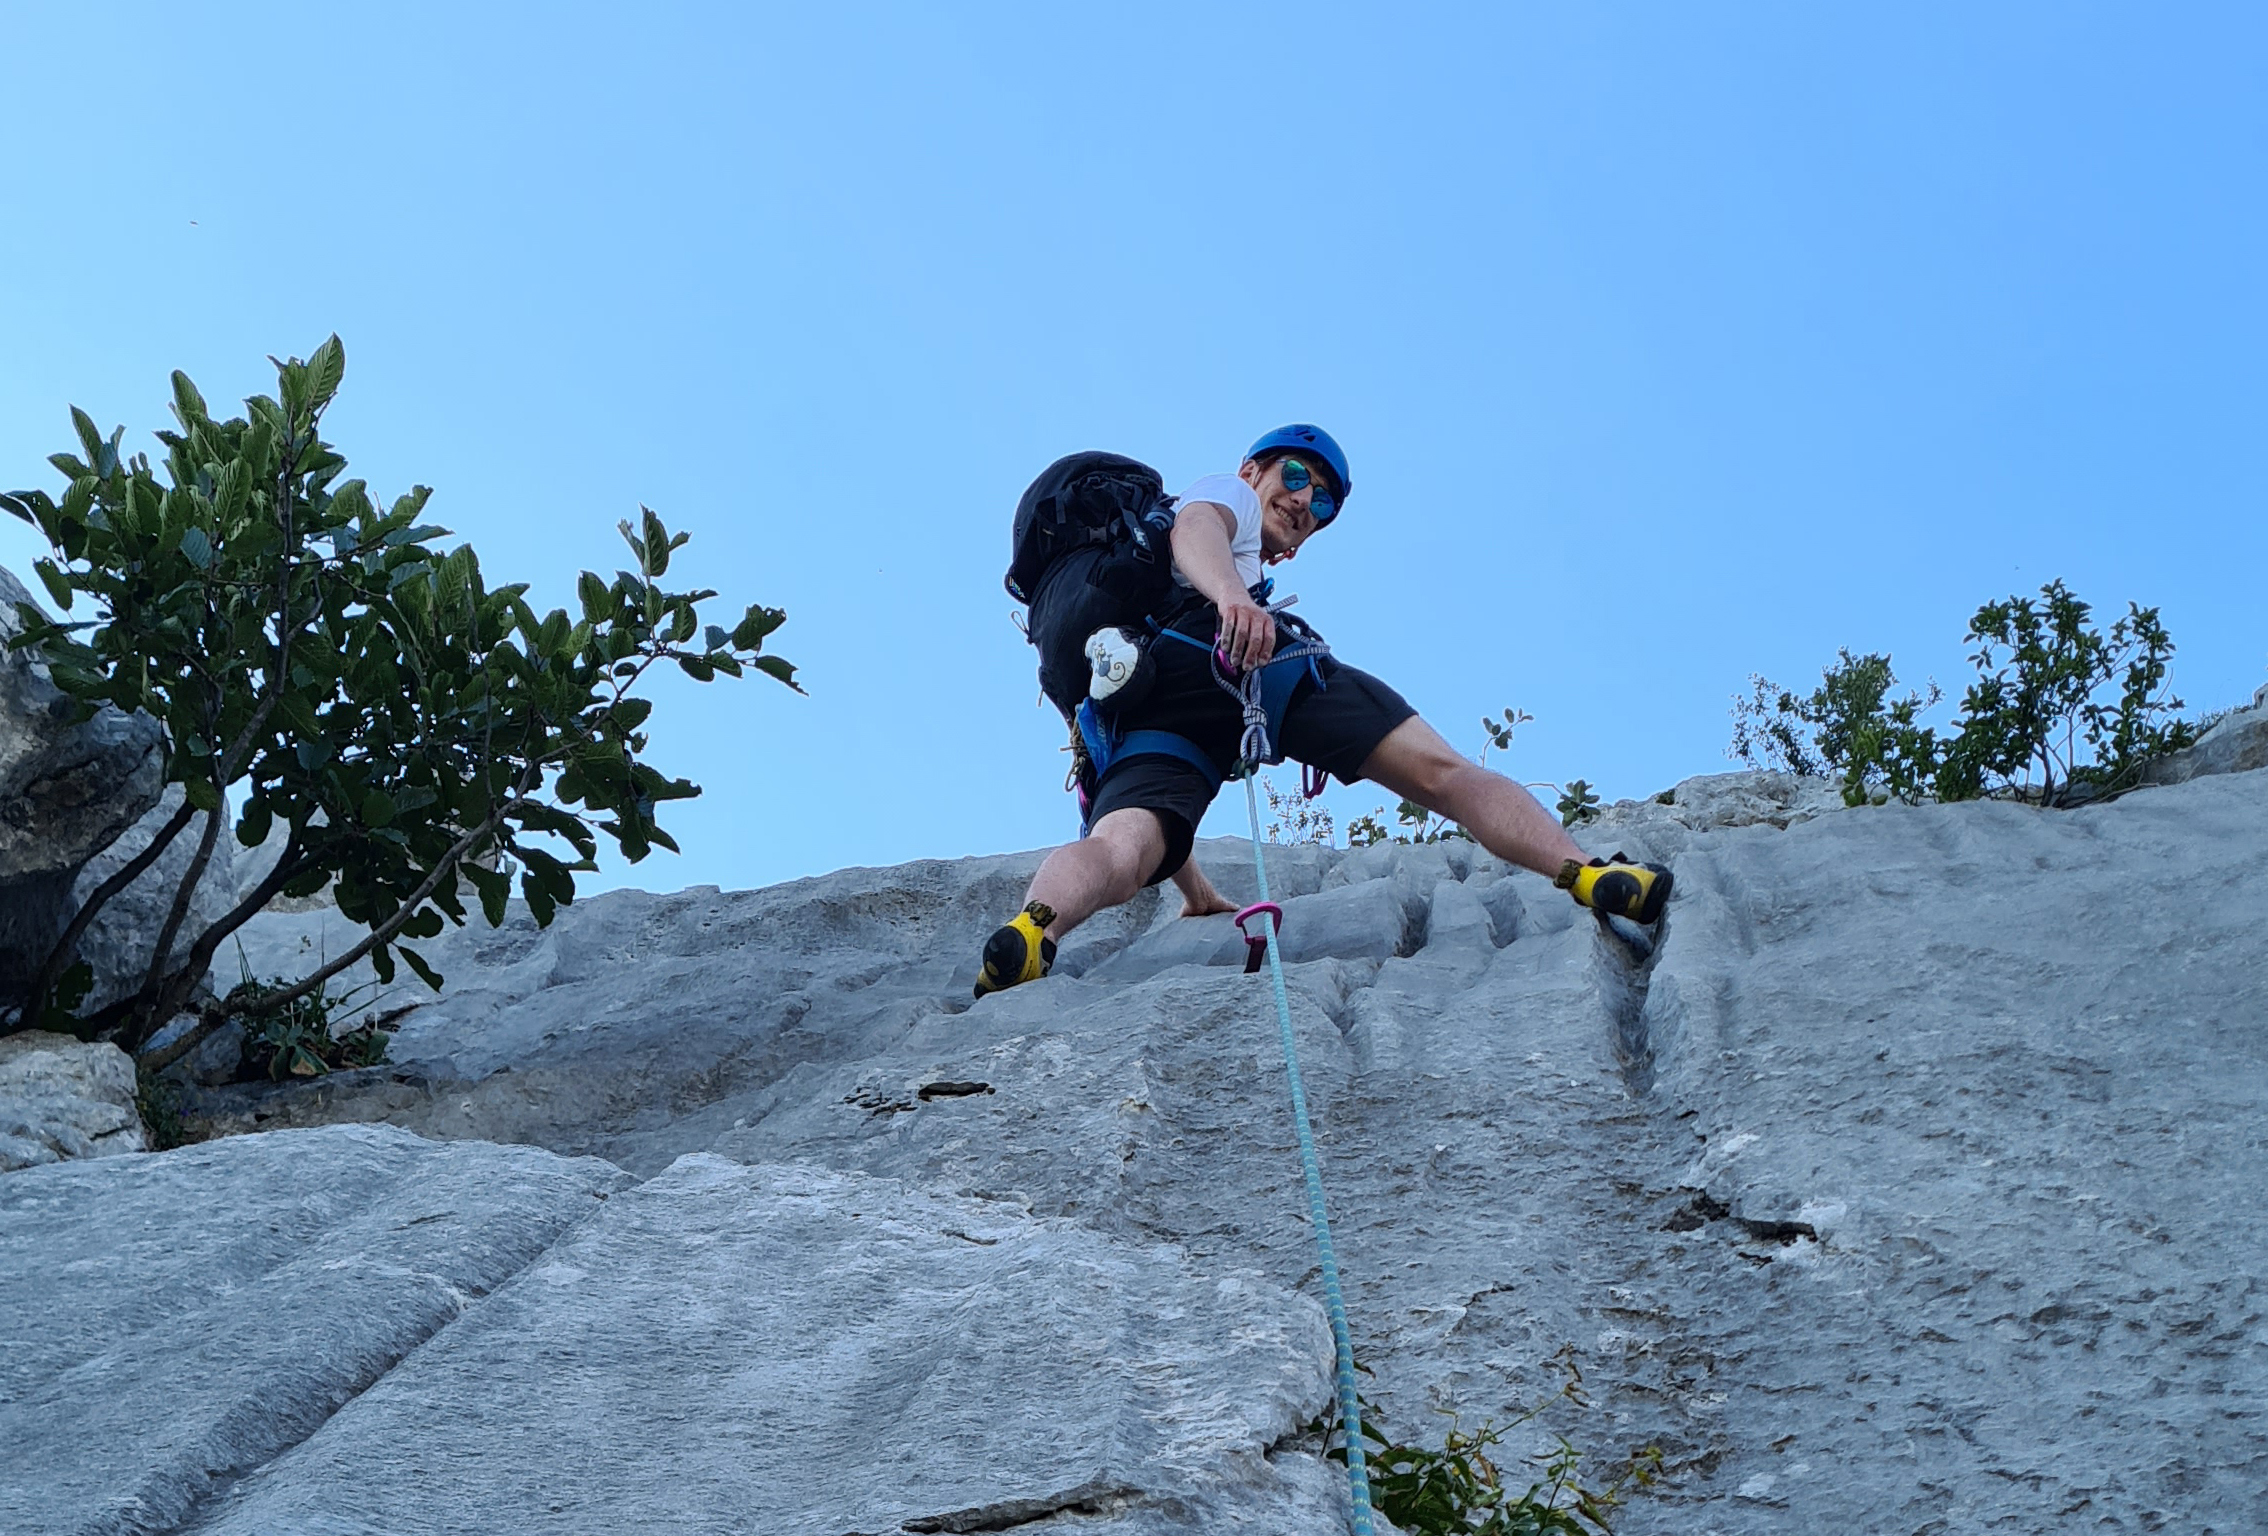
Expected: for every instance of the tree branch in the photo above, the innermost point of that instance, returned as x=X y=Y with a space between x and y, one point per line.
x=182 y=896
x=384 y=932
x=59 y=958
x=290 y=867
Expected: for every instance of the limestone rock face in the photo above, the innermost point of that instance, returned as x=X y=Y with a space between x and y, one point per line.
x=66 y=791
x=1716 y=800
x=2237 y=743
x=175 y=1321
x=793 y=1349
x=119 y=942
x=61 y=1097
x=1907 y=1182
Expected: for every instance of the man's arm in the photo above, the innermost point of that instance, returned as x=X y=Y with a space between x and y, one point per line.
x=1201 y=552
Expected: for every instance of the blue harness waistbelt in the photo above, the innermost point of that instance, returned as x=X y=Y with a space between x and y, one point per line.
x=1106 y=745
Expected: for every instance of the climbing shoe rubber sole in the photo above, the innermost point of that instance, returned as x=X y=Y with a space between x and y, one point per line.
x=1018 y=951
x=1618 y=887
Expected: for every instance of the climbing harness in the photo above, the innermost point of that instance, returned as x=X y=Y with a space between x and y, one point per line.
x=1334 y=1305
x=1262 y=694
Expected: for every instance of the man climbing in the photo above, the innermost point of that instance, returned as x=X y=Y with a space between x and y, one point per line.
x=1188 y=727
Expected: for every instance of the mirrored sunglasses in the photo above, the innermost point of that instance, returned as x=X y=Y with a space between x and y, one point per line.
x=1298 y=477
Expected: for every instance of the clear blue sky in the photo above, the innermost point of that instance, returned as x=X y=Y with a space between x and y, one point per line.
x=1670 y=343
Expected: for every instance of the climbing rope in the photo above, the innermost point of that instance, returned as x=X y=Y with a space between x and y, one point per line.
x=1334 y=1305
x=1246 y=688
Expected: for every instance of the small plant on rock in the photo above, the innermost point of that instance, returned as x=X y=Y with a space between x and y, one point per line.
x=2061 y=712
x=1578 y=803
x=1296 y=818
x=1461 y=1490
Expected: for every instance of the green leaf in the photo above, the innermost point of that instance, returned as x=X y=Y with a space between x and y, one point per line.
x=253 y=826
x=425 y=973
x=773 y=666
x=203 y=794
x=377 y=809
x=495 y=889
x=89 y=438
x=51 y=577
x=188 y=405
x=700 y=671
x=657 y=542
x=324 y=371
x=197 y=549
x=757 y=623
x=540 y=905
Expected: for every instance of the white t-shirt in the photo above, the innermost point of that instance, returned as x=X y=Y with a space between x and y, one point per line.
x=1243 y=503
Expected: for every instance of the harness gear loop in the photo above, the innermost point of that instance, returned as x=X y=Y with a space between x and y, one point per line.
x=1256 y=944
x=1334 y=1304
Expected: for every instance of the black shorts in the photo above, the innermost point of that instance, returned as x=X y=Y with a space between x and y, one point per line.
x=1335 y=728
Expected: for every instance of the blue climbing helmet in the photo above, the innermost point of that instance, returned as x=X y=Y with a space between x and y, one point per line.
x=1299 y=437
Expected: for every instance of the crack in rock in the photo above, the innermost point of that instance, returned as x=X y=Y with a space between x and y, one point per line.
x=1623 y=969
x=1093 y=1497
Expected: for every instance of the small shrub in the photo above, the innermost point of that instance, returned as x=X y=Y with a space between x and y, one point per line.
x=1500 y=732
x=159 y=1103
x=1295 y=818
x=1460 y=1490
x=1578 y=803
x=2060 y=712
x=301 y=1037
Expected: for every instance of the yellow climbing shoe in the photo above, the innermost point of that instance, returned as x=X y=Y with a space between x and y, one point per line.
x=1018 y=952
x=1617 y=886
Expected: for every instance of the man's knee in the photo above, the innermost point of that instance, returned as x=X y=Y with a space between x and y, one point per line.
x=1135 y=839
x=1413 y=760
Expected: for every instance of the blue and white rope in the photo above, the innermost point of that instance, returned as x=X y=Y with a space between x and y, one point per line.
x=1334 y=1304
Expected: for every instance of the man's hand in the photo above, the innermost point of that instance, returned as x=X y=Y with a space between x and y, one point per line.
x=1248 y=633
x=1198 y=898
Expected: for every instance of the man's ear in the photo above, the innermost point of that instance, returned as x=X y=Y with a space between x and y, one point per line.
x=1250 y=472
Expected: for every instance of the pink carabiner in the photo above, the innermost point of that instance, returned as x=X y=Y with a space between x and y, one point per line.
x=1256 y=946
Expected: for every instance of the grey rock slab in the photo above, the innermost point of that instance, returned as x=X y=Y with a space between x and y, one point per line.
x=66 y=790
x=1370 y=921
x=120 y=940
x=791 y=1349
x=168 y=1323
x=1719 y=800
x=62 y=1097
x=1970 y=1099
x=1908 y=1180
x=636 y=1025
x=2237 y=743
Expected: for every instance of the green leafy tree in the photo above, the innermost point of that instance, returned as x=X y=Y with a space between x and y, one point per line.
x=2060 y=711
x=412 y=728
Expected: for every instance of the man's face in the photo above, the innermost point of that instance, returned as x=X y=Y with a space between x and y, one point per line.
x=1287 y=518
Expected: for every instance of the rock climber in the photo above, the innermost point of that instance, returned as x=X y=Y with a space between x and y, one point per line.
x=1145 y=806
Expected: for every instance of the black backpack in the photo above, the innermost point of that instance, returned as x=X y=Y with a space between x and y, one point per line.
x=1093 y=548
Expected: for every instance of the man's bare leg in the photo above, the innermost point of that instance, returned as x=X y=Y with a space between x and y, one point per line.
x=1415 y=763
x=1102 y=869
